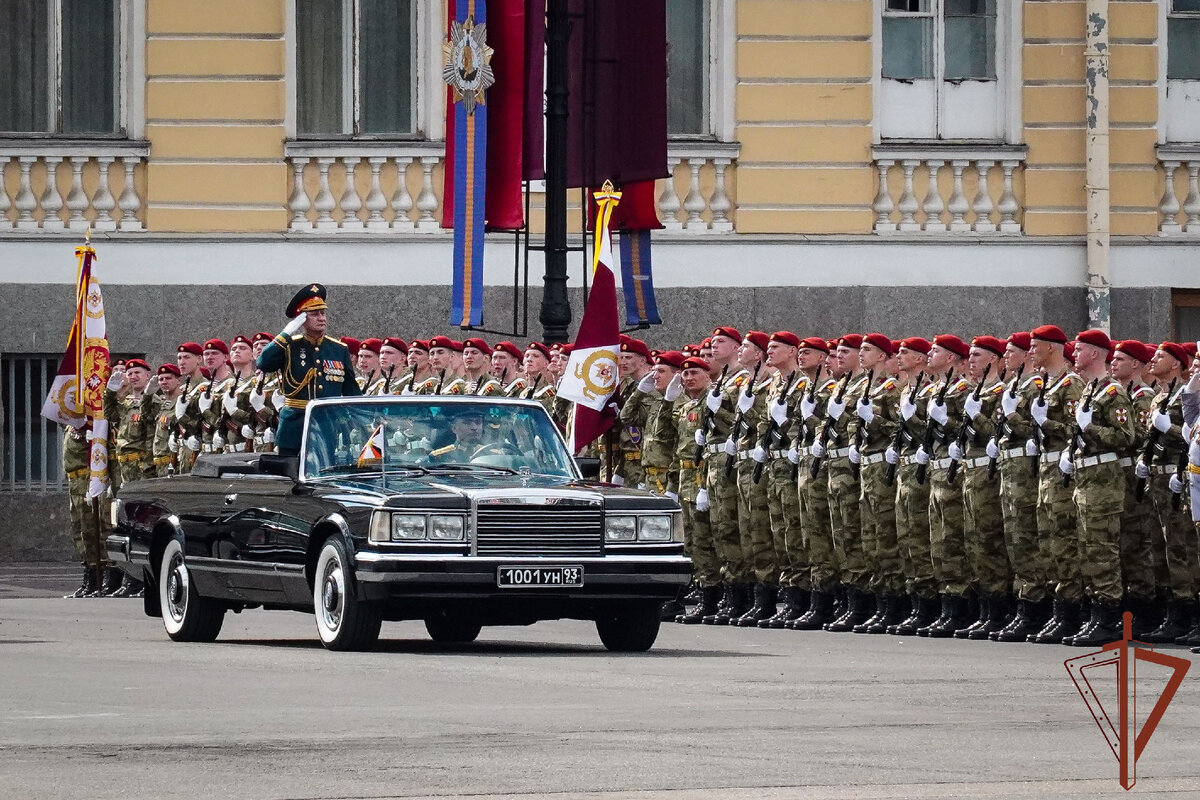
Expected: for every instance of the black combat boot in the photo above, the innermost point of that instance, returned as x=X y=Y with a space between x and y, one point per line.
x=1192 y=637
x=880 y=613
x=819 y=614
x=895 y=611
x=740 y=600
x=1105 y=626
x=997 y=619
x=692 y=594
x=127 y=588
x=789 y=596
x=112 y=582
x=1173 y=625
x=909 y=620
x=1146 y=616
x=941 y=618
x=980 y=619
x=87 y=586
x=958 y=619
x=766 y=605
x=1064 y=623
x=859 y=605
x=841 y=596
x=722 y=607
x=1030 y=619
x=710 y=597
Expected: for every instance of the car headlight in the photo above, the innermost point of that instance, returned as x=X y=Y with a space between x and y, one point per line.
x=408 y=527
x=447 y=527
x=620 y=528
x=654 y=528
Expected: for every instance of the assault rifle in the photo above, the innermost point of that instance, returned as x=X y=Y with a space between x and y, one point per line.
x=1139 y=491
x=772 y=425
x=889 y=476
x=802 y=431
x=964 y=428
x=739 y=421
x=1000 y=434
x=931 y=429
x=1037 y=429
x=1077 y=436
x=706 y=416
x=826 y=429
x=856 y=469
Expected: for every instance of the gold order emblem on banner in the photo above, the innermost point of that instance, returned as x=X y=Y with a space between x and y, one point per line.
x=96 y=368
x=467 y=62
x=598 y=373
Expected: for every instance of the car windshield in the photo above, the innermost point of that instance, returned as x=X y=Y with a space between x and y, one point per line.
x=398 y=434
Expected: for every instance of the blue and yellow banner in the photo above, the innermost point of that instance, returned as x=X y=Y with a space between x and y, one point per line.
x=637 y=281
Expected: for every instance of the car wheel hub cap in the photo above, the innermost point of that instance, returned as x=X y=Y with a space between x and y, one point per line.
x=177 y=591
x=332 y=594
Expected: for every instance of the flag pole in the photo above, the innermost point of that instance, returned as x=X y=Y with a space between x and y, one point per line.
x=98 y=567
x=555 y=315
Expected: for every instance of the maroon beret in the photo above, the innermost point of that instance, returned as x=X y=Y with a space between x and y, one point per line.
x=541 y=348
x=419 y=344
x=507 y=347
x=706 y=342
x=758 y=339
x=725 y=330
x=395 y=343
x=631 y=345
x=917 y=344
x=671 y=358
x=442 y=341
x=478 y=344
x=1176 y=351
x=263 y=336
x=352 y=344
x=566 y=348
x=1049 y=333
x=786 y=337
x=948 y=341
x=851 y=340
x=1094 y=337
x=169 y=369
x=191 y=347
x=815 y=343
x=372 y=344
x=991 y=344
x=884 y=343
x=1191 y=348
x=137 y=362
x=1022 y=340
x=239 y=338
x=218 y=345
x=695 y=363
x=1139 y=351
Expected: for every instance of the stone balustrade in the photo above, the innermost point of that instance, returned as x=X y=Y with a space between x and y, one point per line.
x=1180 y=165
x=945 y=189
x=696 y=200
x=48 y=186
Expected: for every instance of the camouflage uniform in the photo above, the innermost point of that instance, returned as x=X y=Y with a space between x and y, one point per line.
x=815 y=521
x=636 y=410
x=1142 y=553
x=754 y=517
x=1057 y=518
x=1018 y=497
x=844 y=492
x=85 y=533
x=877 y=499
x=1178 y=532
x=722 y=491
x=231 y=423
x=912 y=504
x=706 y=560
x=163 y=412
x=947 y=537
x=783 y=500
x=189 y=422
x=131 y=419
x=986 y=548
x=660 y=444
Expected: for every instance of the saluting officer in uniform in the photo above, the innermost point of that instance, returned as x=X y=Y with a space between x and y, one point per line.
x=310 y=364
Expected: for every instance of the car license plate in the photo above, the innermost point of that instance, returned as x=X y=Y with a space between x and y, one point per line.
x=519 y=577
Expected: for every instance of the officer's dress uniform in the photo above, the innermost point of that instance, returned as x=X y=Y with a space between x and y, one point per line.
x=308 y=370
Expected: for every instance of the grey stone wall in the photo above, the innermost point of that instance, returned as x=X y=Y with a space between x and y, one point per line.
x=35 y=527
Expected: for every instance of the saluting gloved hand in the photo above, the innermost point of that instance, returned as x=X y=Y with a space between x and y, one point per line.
x=1162 y=421
x=116 y=381
x=993 y=449
x=193 y=443
x=973 y=406
x=835 y=409
x=730 y=448
x=1175 y=484
x=296 y=324
x=745 y=400
x=269 y=436
x=866 y=411
x=151 y=385
x=1083 y=417
x=1040 y=411
x=1064 y=464
x=713 y=401
x=229 y=402
x=808 y=407
x=1031 y=448
x=908 y=408
x=258 y=400
x=674 y=389
x=759 y=454
x=779 y=413
x=646 y=384
x=181 y=404
x=278 y=399
x=891 y=456
x=671 y=495
x=921 y=457
x=701 y=437
x=855 y=457
x=218 y=442
x=818 y=450
x=172 y=444
x=793 y=454
x=1008 y=404
x=702 y=500
x=937 y=412
x=954 y=451
x=205 y=402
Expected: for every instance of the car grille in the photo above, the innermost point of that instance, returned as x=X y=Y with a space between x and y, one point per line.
x=522 y=530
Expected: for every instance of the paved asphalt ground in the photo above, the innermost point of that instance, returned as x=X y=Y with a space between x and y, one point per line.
x=96 y=702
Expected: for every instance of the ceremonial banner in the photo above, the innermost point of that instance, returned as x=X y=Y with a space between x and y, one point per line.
x=591 y=375
x=641 y=308
x=76 y=394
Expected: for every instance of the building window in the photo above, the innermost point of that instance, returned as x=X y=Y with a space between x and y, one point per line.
x=60 y=66
x=939 y=70
x=688 y=68
x=1183 y=40
x=1185 y=315
x=31 y=445
x=355 y=67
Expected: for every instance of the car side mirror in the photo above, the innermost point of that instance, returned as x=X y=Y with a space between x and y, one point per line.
x=275 y=464
x=589 y=468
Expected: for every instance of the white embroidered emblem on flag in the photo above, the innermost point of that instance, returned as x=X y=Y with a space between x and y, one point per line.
x=591 y=376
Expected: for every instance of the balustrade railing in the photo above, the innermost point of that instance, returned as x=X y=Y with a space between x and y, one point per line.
x=1180 y=165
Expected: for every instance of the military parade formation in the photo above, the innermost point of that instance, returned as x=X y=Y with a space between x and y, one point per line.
x=1026 y=489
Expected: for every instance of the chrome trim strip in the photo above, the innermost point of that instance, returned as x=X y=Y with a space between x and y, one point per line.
x=371 y=557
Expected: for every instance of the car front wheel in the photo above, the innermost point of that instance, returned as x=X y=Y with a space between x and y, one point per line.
x=343 y=621
x=629 y=629
x=188 y=617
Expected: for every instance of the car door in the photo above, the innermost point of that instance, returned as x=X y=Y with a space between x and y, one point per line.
x=258 y=541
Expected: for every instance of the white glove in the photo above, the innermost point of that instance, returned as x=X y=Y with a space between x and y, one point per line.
x=407 y=391
x=921 y=457
x=193 y=444
x=1175 y=484
x=866 y=412
x=1194 y=453
x=617 y=480
x=672 y=495
x=853 y=455
x=701 y=437
x=834 y=409
x=229 y=402
x=745 y=401
x=646 y=384
x=1040 y=411
x=891 y=456
x=1083 y=417
x=793 y=454
x=90 y=434
x=759 y=454
x=151 y=385
x=818 y=450
x=1141 y=470
x=730 y=448
x=181 y=404
x=1031 y=448
x=296 y=324
x=641 y=486
x=779 y=413
x=116 y=380
x=1064 y=464
x=907 y=407
x=1008 y=404
x=993 y=449
x=278 y=399
x=172 y=444
x=205 y=402
x=218 y=441
x=702 y=500
x=807 y=407
x=258 y=400
x=1162 y=421
x=269 y=436
x=937 y=412
x=973 y=406
x=247 y=432
x=954 y=451
x=713 y=401
x=674 y=389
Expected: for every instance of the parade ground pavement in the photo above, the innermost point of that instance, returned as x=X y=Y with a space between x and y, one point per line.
x=97 y=702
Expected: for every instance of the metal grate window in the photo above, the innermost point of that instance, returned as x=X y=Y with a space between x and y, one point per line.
x=31 y=444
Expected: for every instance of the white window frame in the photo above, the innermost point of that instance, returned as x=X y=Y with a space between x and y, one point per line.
x=720 y=120
x=1009 y=41
x=1178 y=107
x=428 y=100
